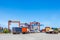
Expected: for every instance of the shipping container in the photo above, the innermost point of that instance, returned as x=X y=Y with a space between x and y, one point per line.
x=16 y=30
x=24 y=30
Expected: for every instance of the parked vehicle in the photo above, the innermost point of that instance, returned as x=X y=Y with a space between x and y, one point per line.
x=24 y=30
x=47 y=29
x=55 y=30
x=16 y=30
x=59 y=30
x=51 y=31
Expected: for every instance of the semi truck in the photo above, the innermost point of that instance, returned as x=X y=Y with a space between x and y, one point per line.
x=16 y=30
x=52 y=31
x=25 y=30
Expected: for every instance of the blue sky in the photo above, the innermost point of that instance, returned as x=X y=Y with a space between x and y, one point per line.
x=46 y=12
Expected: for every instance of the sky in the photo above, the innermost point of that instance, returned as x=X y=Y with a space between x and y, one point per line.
x=46 y=12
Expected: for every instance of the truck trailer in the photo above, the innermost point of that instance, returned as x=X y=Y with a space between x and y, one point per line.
x=16 y=30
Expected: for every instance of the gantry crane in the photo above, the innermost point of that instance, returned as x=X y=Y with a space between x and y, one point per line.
x=9 y=23
x=35 y=23
x=26 y=24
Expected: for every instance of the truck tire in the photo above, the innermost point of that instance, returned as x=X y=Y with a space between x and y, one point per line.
x=23 y=33
x=14 y=33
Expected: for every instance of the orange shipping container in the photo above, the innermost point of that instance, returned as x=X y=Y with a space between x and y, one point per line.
x=24 y=29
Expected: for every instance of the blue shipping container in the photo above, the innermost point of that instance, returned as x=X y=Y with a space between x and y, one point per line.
x=16 y=30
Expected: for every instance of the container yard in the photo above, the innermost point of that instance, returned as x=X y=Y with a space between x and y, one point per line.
x=32 y=27
x=30 y=31
x=29 y=19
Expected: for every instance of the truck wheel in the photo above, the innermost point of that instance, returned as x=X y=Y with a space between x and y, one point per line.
x=56 y=32
x=23 y=32
x=18 y=33
x=14 y=33
x=51 y=32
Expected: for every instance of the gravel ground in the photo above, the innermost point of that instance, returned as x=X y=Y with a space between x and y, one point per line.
x=31 y=36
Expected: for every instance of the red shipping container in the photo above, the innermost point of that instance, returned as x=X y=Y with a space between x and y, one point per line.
x=24 y=29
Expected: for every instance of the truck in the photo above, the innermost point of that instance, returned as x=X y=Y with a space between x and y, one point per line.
x=16 y=30
x=25 y=30
x=52 y=31
x=59 y=30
